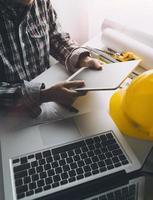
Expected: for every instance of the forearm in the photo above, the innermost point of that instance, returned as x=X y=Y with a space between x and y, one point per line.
x=22 y=98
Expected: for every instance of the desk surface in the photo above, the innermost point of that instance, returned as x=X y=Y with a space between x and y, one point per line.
x=95 y=101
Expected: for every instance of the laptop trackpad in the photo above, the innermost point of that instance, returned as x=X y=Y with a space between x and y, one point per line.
x=59 y=132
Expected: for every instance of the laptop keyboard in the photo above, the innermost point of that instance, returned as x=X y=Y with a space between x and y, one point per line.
x=125 y=193
x=52 y=168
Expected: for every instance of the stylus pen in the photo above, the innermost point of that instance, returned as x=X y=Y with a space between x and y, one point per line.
x=71 y=109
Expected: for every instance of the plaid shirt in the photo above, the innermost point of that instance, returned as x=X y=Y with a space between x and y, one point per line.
x=28 y=35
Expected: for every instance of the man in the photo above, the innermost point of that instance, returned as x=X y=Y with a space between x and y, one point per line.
x=29 y=33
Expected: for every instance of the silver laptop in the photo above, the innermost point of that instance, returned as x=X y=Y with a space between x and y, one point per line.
x=48 y=158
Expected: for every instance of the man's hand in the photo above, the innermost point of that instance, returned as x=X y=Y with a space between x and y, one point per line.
x=62 y=93
x=93 y=63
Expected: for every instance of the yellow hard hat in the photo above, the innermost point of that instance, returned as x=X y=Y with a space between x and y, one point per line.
x=131 y=108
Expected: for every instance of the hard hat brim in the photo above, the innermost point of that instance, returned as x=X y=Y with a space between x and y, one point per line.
x=120 y=119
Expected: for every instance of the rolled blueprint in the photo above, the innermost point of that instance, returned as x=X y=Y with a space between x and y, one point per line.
x=120 y=42
x=139 y=35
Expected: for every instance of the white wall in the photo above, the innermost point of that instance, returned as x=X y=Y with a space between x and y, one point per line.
x=83 y=18
x=73 y=15
x=134 y=13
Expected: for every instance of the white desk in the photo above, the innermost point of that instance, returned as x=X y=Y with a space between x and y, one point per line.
x=91 y=102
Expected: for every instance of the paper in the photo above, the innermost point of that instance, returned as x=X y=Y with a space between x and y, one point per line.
x=120 y=38
x=138 y=35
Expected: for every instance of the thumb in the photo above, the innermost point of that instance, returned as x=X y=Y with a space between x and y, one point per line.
x=74 y=84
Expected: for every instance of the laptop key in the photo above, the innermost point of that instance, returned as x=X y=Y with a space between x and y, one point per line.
x=27 y=179
x=21 y=174
x=21 y=167
x=38 y=190
x=56 y=178
x=79 y=171
x=31 y=156
x=113 y=147
x=47 y=187
x=87 y=174
x=84 y=149
x=20 y=196
x=18 y=182
x=76 y=158
x=64 y=175
x=46 y=154
x=38 y=156
x=91 y=147
x=117 y=164
x=42 y=162
x=51 y=172
x=101 y=164
x=81 y=163
x=69 y=160
x=72 y=179
x=40 y=183
x=87 y=168
x=56 y=157
x=96 y=139
x=73 y=165
x=88 y=161
x=63 y=182
x=79 y=177
x=35 y=177
x=49 y=159
x=110 y=167
x=34 y=164
x=54 y=164
x=115 y=159
x=122 y=157
x=68 y=147
x=55 y=184
x=32 y=171
x=47 y=167
x=32 y=185
x=89 y=141
x=124 y=162
x=24 y=160
x=94 y=166
x=103 y=169
x=48 y=180
x=95 y=171
x=117 y=152
x=62 y=162
x=58 y=170
x=29 y=193
x=43 y=175
x=15 y=161
x=83 y=155
x=108 y=161
x=66 y=168
x=21 y=189
x=39 y=169
x=64 y=155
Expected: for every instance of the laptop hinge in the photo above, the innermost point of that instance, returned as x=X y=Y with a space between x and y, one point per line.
x=91 y=188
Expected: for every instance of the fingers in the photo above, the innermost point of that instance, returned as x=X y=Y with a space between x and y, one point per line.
x=96 y=64
x=76 y=94
x=74 y=84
